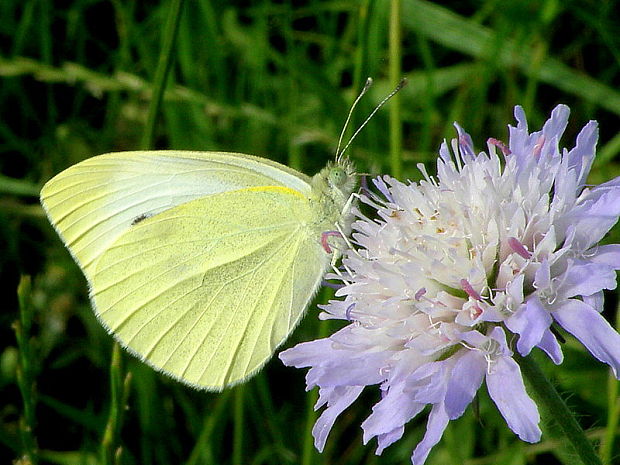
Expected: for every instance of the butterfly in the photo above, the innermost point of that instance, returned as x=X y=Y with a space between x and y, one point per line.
x=200 y=263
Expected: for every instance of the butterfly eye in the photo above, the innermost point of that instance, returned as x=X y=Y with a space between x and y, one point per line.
x=337 y=177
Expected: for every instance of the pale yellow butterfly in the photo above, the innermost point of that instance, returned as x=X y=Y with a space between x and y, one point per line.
x=200 y=263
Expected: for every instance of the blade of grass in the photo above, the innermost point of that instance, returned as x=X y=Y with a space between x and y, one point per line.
x=269 y=417
x=19 y=187
x=608 y=151
x=308 y=452
x=238 y=425
x=119 y=392
x=25 y=372
x=443 y=81
x=161 y=73
x=202 y=451
x=123 y=11
x=395 y=53
x=427 y=95
x=457 y=33
x=360 y=61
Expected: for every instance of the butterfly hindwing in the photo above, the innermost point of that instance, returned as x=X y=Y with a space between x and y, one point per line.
x=207 y=290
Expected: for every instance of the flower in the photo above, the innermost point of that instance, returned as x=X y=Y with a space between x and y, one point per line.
x=497 y=249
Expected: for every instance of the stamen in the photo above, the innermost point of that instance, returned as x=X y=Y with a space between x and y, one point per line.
x=517 y=247
x=538 y=147
x=475 y=311
x=469 y=290
x=500 y=145
x=347 y=312
x=465 y=146
x=418 y=295
x=364 y=184
x=433 y=324
x=331 y=285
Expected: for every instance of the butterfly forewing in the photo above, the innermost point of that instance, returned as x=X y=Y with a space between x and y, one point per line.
x=93 y=203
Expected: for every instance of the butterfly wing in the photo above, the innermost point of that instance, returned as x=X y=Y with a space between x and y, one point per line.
x=93 y=203
x=206 y=291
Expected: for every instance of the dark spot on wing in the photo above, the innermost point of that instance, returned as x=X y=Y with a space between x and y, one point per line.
x=142 y=217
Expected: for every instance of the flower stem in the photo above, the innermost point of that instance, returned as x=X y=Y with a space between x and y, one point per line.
x=555 y=409
x=613 y=416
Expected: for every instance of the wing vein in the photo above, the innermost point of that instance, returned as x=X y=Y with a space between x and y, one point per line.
x=239 y=302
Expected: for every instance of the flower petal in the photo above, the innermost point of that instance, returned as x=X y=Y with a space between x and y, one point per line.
x=394 y=410
x=507 y=390
x=592 y=330
x=530 y=323
x=611 y=185
x=585 y=278
x=384 y=440
x=306 y=354
x=340 y=398
x=429 y=382
x=436 y=425
x=465 y=380
x=596 y=300
x=581 y=156
x=549 y=344
x=466 y=144
x=592 y=218
x=607 y=255
x=343 y=369
x=542 y=279
x=556 y=124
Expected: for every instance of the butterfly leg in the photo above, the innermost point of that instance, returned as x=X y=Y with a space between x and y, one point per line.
x=345 y=210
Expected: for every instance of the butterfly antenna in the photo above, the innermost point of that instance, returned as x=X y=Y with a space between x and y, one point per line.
x=346 y=123
x=401 y=84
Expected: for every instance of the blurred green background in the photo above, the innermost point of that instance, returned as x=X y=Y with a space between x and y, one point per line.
x=275 y=79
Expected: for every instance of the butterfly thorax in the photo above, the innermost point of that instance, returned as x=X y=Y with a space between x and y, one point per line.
x=331 y=189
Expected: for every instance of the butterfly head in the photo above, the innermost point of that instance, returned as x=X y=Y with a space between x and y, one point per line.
x=340 y=176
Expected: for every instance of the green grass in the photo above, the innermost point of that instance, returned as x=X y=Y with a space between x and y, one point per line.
x=274 y=79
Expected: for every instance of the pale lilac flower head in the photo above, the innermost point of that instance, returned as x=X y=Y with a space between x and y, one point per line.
x=459 y=271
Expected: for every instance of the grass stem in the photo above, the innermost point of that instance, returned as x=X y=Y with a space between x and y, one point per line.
x=161 y=73
x=25 y=372
x=395 y=70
